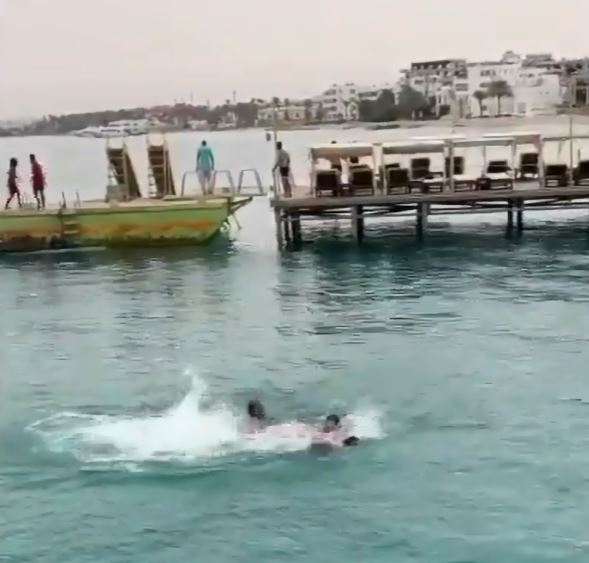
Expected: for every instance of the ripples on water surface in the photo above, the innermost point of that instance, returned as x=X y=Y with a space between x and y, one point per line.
x=463 y=360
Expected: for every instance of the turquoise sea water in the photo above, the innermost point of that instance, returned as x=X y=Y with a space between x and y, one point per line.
x=462 y=361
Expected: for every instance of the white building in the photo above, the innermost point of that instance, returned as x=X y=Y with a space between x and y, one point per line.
x=439 y=81
x=297 y=112
x=537 y=94
x=535 y=90
x=342 y=102
x=371 y=93
x=480 y=77
x=339 y=102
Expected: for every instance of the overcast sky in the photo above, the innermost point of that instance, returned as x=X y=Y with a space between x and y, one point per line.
x=75 y=55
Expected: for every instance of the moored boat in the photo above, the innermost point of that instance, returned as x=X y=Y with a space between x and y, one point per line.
x=173 y=221
x=124 y=217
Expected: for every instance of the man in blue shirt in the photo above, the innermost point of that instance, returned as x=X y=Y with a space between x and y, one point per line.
x=205 y=165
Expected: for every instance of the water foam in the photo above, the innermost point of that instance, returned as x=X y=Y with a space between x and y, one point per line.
x=191 y=431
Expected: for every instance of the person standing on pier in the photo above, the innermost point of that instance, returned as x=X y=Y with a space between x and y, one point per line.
x=205 y=166
x=38 y=181
x=283 y=166
x=13 y=184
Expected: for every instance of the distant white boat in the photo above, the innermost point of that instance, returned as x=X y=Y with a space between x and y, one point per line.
x=123 y=128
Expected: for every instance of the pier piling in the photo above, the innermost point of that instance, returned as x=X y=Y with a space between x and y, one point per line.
x=510 y=216
x=278 y=222
x=358 y=223
x=287 y=229
x=520 y=216
x=295 y=222
x=421 y=219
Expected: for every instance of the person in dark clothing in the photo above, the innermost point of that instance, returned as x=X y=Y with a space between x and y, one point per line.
x=12 y=184
x=282 y=164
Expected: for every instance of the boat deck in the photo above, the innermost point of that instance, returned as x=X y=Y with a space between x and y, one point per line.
x=140 y=203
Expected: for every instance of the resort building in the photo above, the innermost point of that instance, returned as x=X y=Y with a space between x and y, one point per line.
x=437 y=81
x=339 y=102
x=297 y=112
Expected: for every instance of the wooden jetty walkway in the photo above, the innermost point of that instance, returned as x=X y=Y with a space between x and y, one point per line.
x=378 y=189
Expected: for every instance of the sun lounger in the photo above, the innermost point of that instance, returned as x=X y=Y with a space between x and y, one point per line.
x=500 y=180
x=327 y=183
x=398 y=180
x=556 y=175
x=498 y=167
x=581 y=173
x=361 y=180
x=528 y=165
x=420 y=168
x=464 y=183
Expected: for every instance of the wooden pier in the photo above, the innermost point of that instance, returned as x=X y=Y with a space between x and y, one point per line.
x=291 y=213
x=361 y=182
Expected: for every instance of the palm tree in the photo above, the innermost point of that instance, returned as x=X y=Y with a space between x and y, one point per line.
x=319 y=113
x=308 y=104
x=346 y=104
x=499 y=89
x=480 y=96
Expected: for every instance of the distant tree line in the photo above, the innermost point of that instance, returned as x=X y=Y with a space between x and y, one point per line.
x=409 y=104
x=178 y=115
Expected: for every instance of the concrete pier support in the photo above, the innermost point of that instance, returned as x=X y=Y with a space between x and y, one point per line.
x=421 y=219
x=358 y=223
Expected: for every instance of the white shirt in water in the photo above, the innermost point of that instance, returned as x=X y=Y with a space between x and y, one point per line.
x=285 y=430
x=333 y=439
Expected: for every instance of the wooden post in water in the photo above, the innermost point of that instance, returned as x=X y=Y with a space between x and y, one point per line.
x=295 y=221
x=510 y=216
x=520 y=215
x=421 y=223
x=357 y=223
x=278 y=221
x=287 y=229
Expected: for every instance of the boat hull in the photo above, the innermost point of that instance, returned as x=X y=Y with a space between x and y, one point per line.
x=160 y=225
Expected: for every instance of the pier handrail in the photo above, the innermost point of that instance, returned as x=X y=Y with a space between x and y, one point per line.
x=184 y=176
x=258 y=181
x=228 y=176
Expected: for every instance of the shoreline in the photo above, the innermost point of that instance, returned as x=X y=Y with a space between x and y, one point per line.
x=470 y=123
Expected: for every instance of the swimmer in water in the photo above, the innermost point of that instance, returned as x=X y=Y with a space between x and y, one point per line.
x=333 y=427
x=256 y=415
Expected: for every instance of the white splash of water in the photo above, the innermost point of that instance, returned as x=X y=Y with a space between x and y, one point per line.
x=189 y=432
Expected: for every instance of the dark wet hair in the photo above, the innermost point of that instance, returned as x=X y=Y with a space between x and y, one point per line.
x=13 y=162
x=204 y=143
x=32 y=157
x=255 y=409
x=333 y=418
x=279 y=145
